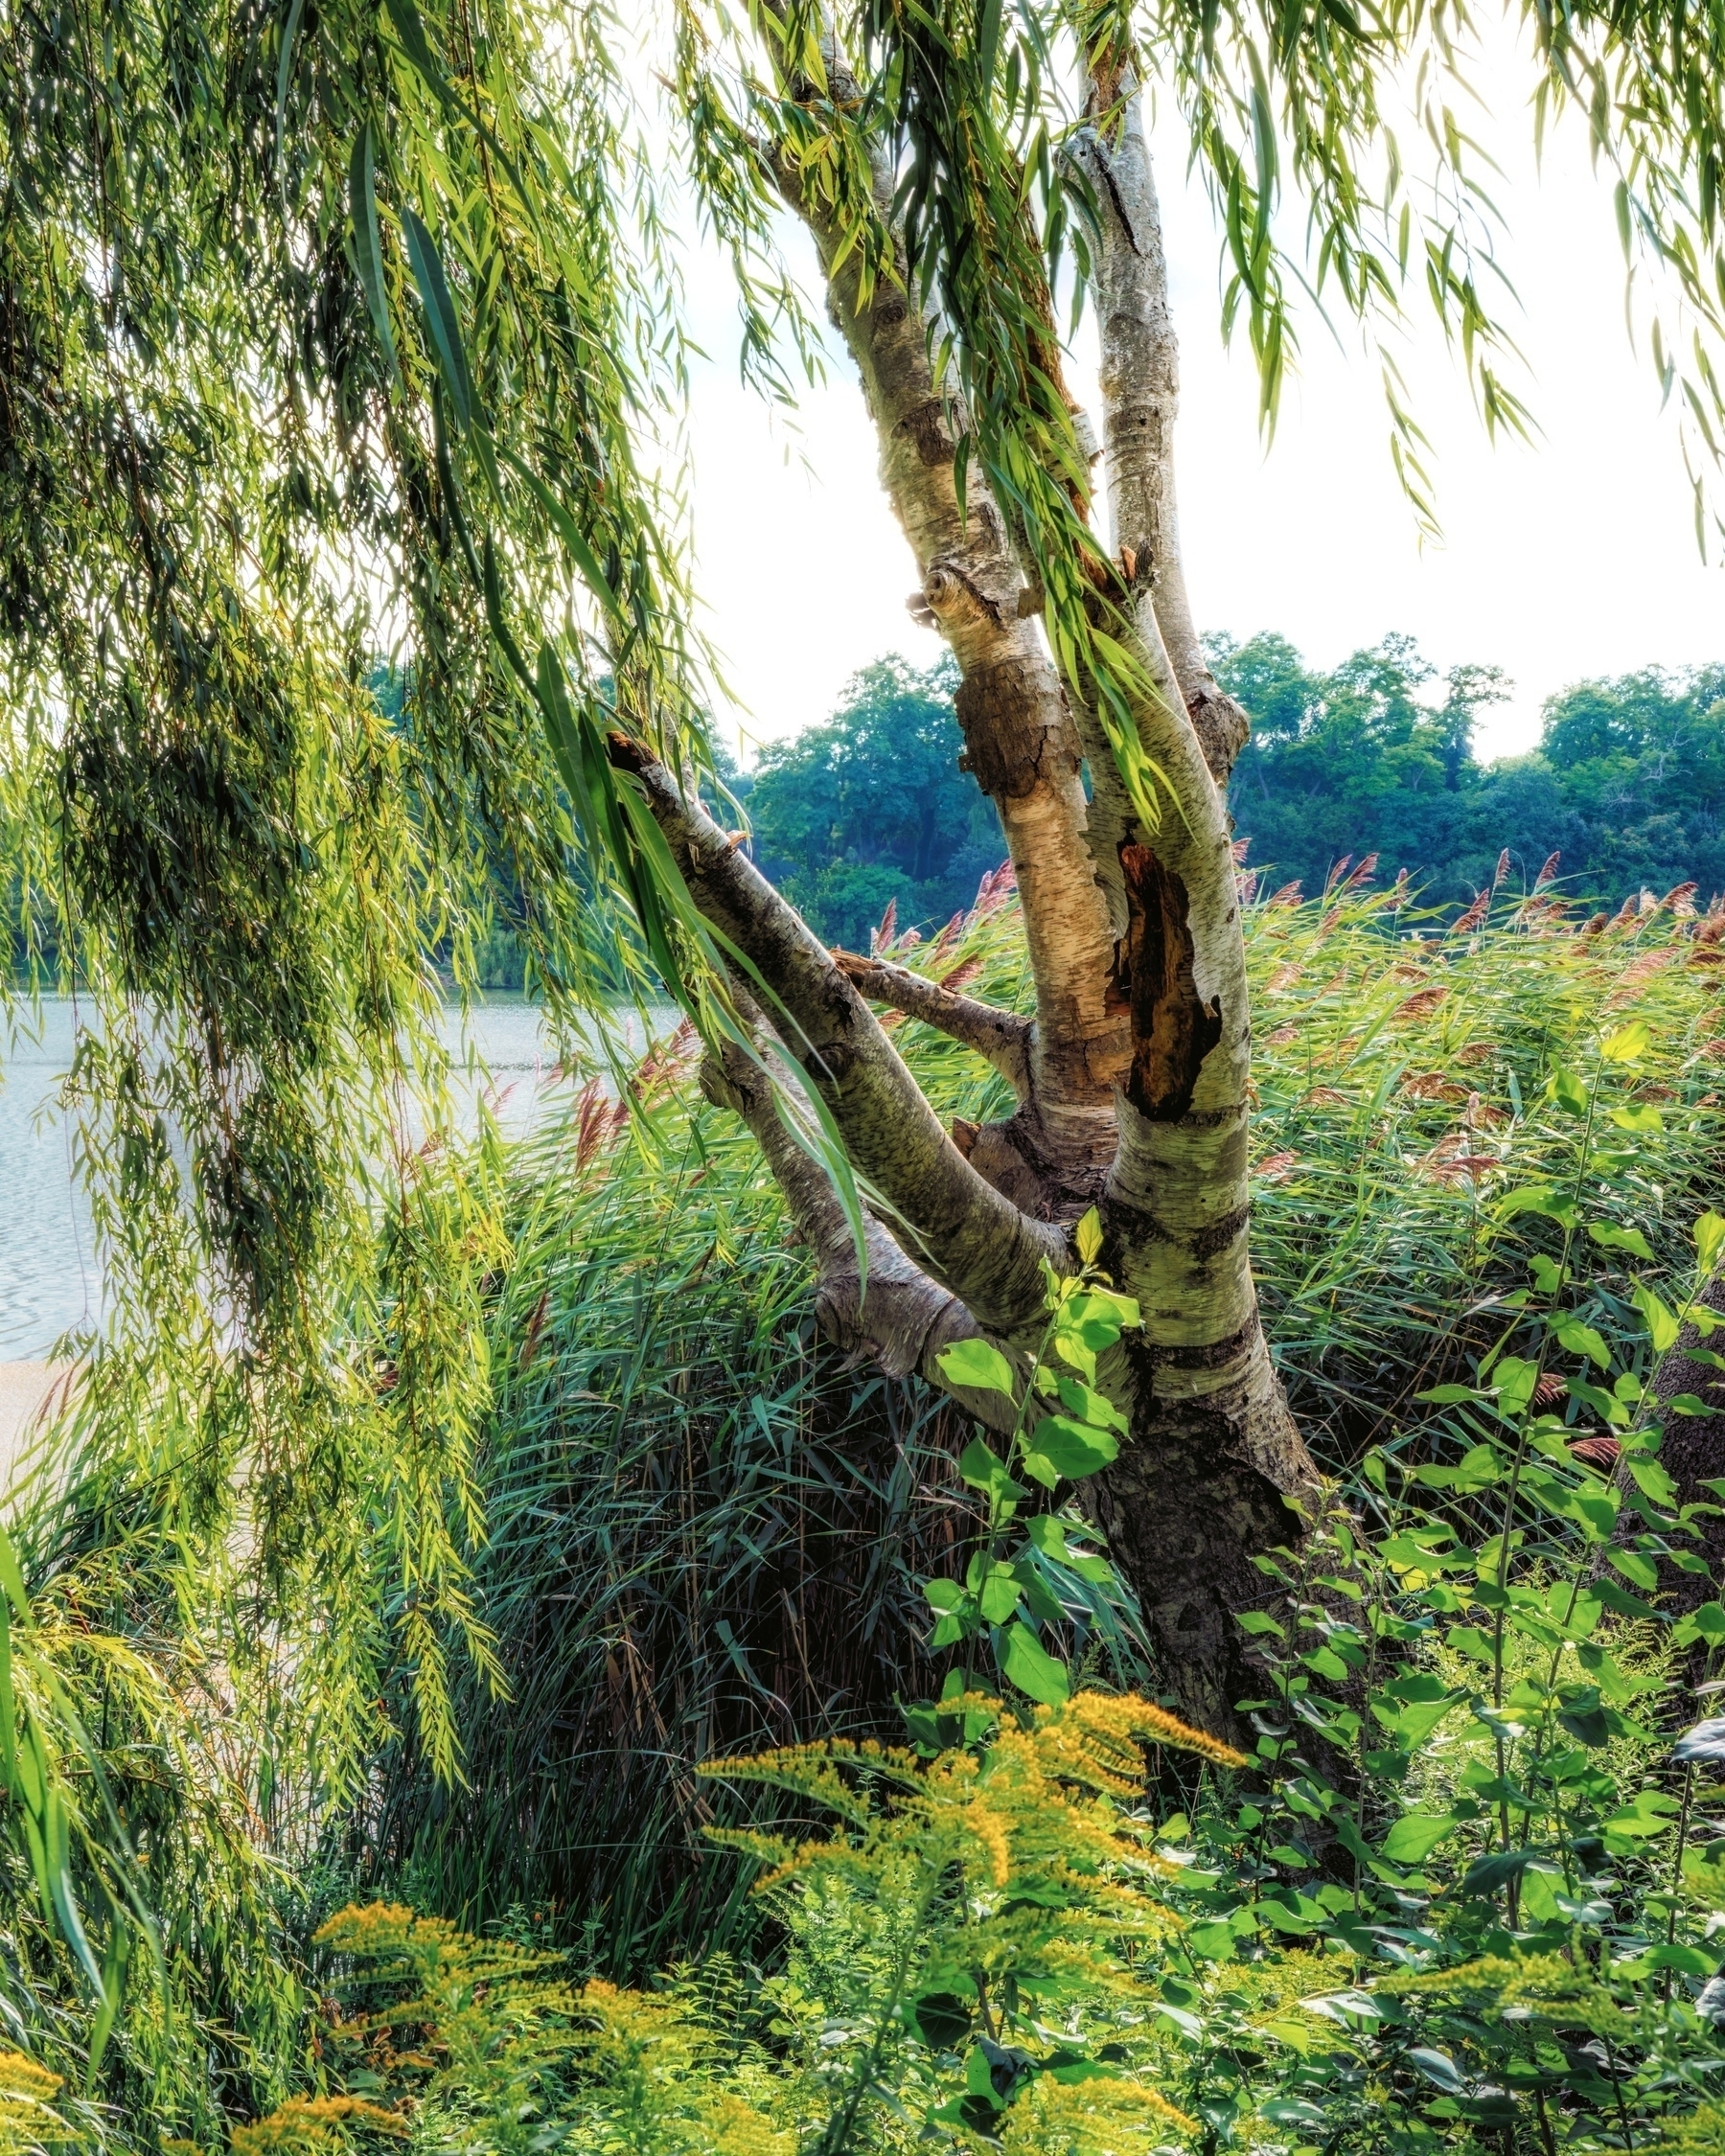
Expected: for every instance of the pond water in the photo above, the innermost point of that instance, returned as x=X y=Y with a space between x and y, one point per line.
x=50 y=1269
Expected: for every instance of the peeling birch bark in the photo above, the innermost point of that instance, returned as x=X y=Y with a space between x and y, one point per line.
x=1216 y=1459
x=1133 y=1080
x=1021 y=743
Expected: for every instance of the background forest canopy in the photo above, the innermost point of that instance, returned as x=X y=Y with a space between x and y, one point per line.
x=1375 y=755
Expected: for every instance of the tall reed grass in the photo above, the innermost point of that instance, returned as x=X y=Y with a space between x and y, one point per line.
x=703 y=1533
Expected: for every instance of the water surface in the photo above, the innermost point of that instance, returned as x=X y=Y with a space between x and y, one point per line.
x=50 y=1269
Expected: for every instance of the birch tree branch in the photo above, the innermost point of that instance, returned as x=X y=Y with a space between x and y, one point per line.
x=898 y=1317
x=978 y=1245
x=1020 y=738
x=1141 y=388
x=1002 y=1038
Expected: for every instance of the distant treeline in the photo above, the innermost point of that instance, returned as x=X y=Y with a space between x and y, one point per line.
x=1627 y=785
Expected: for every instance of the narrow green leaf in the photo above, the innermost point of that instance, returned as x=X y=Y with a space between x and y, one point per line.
x=440 y=317
x=368 y=247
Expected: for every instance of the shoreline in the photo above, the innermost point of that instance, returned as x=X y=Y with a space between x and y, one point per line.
x=25 y=1390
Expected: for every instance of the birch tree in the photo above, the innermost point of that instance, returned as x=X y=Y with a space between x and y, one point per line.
x=328 y=324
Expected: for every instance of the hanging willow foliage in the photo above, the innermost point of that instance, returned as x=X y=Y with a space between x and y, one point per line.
x=333 y=333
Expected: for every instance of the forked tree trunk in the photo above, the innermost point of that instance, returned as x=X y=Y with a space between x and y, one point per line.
x=1132 y=1079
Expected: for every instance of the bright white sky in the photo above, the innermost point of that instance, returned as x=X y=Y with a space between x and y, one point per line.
x=1574 y=557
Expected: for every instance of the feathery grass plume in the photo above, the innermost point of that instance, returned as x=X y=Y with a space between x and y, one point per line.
x=704 y=1536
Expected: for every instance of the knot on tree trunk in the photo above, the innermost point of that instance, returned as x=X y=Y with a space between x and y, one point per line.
x=1173 y=1029
x=1222 y=727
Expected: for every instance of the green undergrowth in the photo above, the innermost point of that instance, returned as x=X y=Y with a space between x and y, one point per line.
x=692 y=1535
x=703 y=1533
x=1467 y=1892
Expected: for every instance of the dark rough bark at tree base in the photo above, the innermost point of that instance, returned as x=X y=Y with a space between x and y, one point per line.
x=1185 y=1509
x=1693 y=1454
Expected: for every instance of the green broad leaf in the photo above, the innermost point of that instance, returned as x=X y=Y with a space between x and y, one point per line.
x=1411 y=1724
x=1449 y=1395
x=982 y=1471
x=1098 y=1316
x=1515 y=1379
x=1416 y=1835
x=1568 y=1093
x=1687 y=1960
x=1000 y=1596
x=1581 y=1340
x=1633 y=1824
x=1539 y=1198
x=1439 y=2068
x=976 y=1365
x=943 y=1595
x=1709 y=1621
x=1058 y=1446
x=1685 y=1404
x=1709 y=1232
x=1214 y=1942
x=1619 y=1599
x=1642 y=1117
x=441 y=320
x=1291 y=1912
x=1628 y=1044
x=368 y=245
x=1488 y=1875
x=1023 y=1662
x=1090 y=1405
x=1638 y=1569
x=1601 y=1401
x=1587 y=1724
x=978 y=2076
x=1630 y=1239
x=1471 y=1639
x=953 y=1626
x=1069 y=2071
x=1097 y=1570
x=1038 y=1599
x=1325 y=1661
x=1047 y=1532
x=1259 y=1623
x=1651 y=1480
x=1087 y=1237
x=1661 y=1320
x=942 y=2020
